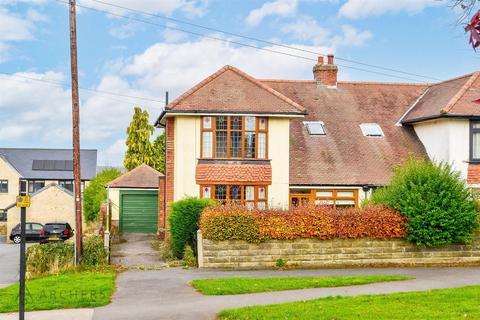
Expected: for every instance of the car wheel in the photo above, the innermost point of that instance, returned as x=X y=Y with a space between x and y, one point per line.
x=17 y=239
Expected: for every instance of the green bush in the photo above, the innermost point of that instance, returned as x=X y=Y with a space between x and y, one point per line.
x=189 y=260
x=94 y=252
x=51 y=258
x=95 y=193
x=439 y=207
x=184 y=222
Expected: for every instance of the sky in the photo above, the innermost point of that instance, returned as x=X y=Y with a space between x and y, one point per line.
x=127 y=58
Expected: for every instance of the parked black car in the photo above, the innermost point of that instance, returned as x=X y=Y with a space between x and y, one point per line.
x=54 y=232
x=33 y=232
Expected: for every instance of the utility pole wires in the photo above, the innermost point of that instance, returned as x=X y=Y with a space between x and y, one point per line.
x=76 y=133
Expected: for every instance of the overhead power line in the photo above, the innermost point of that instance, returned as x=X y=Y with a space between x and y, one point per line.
x=261 y=40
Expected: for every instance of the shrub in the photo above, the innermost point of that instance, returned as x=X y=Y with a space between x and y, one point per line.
x=51 y=258
x=239 y=223
x=439 y=207
x=95 y=193
x=189 y=260
x=184 y=222
x=230 y=223
x=94 y=252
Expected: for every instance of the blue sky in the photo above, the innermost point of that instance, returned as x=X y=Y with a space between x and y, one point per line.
x=129 y=57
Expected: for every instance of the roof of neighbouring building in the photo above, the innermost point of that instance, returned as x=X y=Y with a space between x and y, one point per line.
x=142 y=177
x=455 y=97
x=48 y=186
x=233 y=91
x=344 y=156
x=54 y=164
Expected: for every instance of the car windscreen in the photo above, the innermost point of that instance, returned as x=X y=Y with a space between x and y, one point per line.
x=53 y=227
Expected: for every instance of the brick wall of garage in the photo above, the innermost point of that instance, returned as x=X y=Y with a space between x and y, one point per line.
x=50 y=205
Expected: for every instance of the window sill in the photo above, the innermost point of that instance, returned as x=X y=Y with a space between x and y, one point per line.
x=235 y=161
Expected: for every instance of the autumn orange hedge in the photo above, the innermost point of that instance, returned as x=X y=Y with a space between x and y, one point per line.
x=321 y=222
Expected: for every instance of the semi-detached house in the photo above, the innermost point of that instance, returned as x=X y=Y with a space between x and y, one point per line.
x=261 y=143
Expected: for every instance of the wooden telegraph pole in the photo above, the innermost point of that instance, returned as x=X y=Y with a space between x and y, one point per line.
x=76 y=133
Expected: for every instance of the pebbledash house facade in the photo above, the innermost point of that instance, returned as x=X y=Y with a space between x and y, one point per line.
x=284 y=142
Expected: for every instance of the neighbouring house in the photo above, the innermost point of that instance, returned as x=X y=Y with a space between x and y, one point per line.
x=260 y=142
x=37 y=171
x=135 y=200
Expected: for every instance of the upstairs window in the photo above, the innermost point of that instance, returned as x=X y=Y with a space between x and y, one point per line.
x=3 y=186
x=315 y=127
x=234 y=137
x=371 y=130
x=475 y=141
x=66 y=184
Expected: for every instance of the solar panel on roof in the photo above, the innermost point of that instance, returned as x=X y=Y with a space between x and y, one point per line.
x=52 y=165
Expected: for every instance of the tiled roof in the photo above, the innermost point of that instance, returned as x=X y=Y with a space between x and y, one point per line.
x=231 y=90
x=142 y=176
x=344 y=156
x=454 y=97
x=22 y=160
x=233 y=173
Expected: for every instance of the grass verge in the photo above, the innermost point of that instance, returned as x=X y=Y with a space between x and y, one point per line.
x=85 y=289
x=224 y=286
x=458 y=303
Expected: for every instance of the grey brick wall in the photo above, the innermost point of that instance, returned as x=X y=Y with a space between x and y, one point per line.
x=313 y=253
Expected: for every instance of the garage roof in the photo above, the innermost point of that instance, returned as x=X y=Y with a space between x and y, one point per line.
x=142 y=177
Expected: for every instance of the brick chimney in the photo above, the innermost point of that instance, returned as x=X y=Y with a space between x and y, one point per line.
x=325 y=74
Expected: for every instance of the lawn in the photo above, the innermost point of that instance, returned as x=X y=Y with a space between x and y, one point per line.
x=70 y=290
x=445 y=304
x=223 y=286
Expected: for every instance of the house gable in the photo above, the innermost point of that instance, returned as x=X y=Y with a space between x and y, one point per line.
x=230 y=90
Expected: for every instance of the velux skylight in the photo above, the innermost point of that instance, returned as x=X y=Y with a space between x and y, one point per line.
x=371 y=130
x=315 y=127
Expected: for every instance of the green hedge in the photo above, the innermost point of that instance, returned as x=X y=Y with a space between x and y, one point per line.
x=439 y=207
x=94 y=252
x=184 y=223
x=95 y=193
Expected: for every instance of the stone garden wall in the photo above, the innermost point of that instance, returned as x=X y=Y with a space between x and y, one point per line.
x=313 y=253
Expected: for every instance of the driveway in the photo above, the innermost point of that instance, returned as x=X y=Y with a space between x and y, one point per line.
x=135 y=250
x=9 y=264
x=165 y=294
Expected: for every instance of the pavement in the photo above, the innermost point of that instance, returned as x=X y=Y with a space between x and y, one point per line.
x=165 y=294
x=135 y=250
x=9 y=264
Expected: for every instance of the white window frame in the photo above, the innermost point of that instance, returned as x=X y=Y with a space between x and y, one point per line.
x=321 y=123
x=365 y=130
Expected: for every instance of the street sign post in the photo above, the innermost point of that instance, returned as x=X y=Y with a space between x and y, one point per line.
x=23 y=201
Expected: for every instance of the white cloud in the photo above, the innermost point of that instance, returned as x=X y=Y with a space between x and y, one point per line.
x=307 y=28
x=126 y=30
x=189 y=7
x=112 y=155
x=281 y=8
x=352 y=37
x=355 y=9
x=15 y=132
x=14 y=27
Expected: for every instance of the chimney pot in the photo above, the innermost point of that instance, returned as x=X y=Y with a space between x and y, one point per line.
x=325 y=74
x=330 y=59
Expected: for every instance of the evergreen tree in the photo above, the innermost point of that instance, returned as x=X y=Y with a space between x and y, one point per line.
x=159 y=152
x=139 y=148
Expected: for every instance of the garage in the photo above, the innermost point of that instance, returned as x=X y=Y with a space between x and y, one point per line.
x=139 y=211
x=133 y=201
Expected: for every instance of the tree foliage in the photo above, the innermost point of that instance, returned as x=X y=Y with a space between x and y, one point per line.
x=95 y=193
x=159 y=152
x=439 y=207
x=139 y=148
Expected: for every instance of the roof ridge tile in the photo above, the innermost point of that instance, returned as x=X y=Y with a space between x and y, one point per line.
x=460 y=93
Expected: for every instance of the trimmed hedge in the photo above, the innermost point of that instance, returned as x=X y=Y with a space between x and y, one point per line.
x=240 y=223
x=184 y=221
x=439 y=207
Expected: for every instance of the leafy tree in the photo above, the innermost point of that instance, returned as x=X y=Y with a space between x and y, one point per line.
x=139 y=148
x=159 y=153
x=95 y=193
x=438 y=205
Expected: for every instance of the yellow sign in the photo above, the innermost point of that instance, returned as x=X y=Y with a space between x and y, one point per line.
x=23 y=201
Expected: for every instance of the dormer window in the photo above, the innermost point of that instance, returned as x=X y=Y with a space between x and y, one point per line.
x=315 y=128
x=371 y=130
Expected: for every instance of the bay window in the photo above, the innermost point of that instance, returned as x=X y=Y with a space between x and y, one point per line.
x=234 y=137
x=250 y=196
